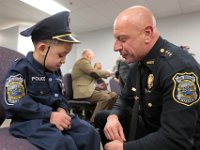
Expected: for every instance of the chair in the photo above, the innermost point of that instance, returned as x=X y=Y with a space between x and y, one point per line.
x=77 y=104
x=7 y=141
x=115 y=86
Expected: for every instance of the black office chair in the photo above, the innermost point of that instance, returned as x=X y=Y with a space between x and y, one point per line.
x=77 y=105
x=7 y=141
x=115 y=86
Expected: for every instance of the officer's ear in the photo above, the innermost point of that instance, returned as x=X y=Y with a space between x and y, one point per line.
x=148 y=33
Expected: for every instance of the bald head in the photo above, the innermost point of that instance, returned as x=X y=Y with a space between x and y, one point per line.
x=135 y=33
x=137 y=16
x=88 y=54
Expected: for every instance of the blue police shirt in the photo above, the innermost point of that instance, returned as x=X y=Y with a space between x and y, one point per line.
x=31 y=92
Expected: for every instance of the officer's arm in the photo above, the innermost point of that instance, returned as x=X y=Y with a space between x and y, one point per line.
x=86 y=67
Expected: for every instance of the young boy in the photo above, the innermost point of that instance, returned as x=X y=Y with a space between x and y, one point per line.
x=34 y=92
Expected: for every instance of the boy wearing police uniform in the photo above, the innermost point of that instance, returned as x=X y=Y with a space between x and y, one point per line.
x=34 y=91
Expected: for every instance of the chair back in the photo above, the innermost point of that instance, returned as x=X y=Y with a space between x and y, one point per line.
x=7 y=57
x=67 y=80
x=115 y=86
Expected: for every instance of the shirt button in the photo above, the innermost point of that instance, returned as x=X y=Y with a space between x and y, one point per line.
x=56 y=94
x=150 y=104
x=50 y=79
x=41 y=92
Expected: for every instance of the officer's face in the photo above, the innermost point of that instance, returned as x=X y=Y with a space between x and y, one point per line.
x=56 y=56
x=129 y=40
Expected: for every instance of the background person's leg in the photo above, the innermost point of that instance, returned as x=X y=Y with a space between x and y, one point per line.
x=103 y=100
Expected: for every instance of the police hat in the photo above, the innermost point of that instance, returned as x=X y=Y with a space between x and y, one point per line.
x=53 y=27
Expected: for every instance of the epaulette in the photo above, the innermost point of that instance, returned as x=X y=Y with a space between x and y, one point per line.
x=17 y=61
x=165 y=53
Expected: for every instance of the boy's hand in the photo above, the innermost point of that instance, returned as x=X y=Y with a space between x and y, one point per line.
x=61 y=120
x=61 y=110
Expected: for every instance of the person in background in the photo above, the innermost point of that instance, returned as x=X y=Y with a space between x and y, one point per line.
x=185 y=47
x=100 y=83
x=84 y=77
x=162 y=90
x=122 y=69
x=34 y=92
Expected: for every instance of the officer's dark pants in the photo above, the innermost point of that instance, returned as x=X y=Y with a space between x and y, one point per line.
x=100 y=121
x=81 y=136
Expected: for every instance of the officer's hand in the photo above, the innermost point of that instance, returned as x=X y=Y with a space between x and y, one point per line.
x=114 y=145
x=113 y=129
x=61 y=120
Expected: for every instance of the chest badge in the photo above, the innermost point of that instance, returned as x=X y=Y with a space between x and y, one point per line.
x=150 y=80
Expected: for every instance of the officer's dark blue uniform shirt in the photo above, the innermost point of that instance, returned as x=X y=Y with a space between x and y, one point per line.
x=33 y=91
x=170 y=100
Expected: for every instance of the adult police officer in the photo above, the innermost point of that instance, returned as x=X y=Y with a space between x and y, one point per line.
x=34 y=94
x=168 y=90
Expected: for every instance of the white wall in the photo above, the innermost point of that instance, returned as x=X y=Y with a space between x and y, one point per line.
x=12 y=39
x=183 y=29
x=24 y=43
x=9 y=38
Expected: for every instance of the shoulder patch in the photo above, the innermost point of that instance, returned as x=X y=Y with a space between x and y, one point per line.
x=14 y=89
x=186 y=88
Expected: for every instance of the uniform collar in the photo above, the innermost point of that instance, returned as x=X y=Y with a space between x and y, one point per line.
x=151 y=57
x=34 y=63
